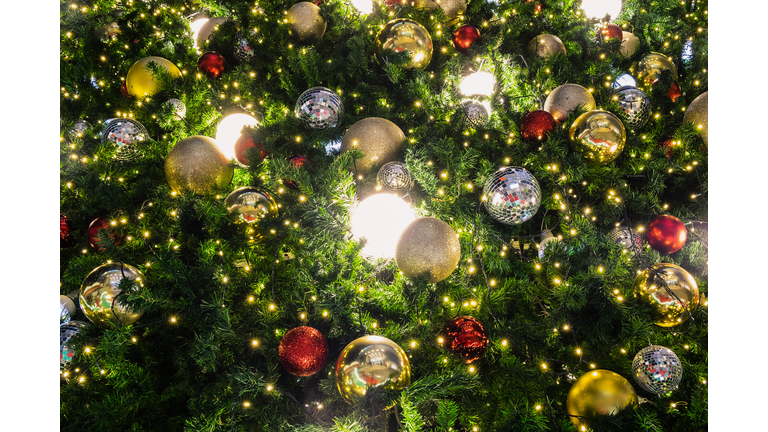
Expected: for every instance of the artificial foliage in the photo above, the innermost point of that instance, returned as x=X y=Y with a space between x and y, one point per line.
x=220 y=294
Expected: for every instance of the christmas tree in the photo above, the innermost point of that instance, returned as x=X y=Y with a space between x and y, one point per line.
x=356 y=216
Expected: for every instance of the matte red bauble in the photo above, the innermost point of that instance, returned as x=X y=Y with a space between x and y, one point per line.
x=303 y=351
x=535 y=125
x=65 y=231
x=464 y=37
x=244 y=143
x=666 y=234
x=467 y=337
x=212 y=64
x=93 y=233
x=611 y=32
x=298 y=161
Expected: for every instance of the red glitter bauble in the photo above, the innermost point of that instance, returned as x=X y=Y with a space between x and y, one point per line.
x=611 y=32
x=124 y=89
x=212 y=64
x=244 y=143
x=467 y=337
x=303 y=351
x=666 y=234
x=93 y=233
x=298 y=161
x=65 y=231
x=535 y=126
x=464 y=37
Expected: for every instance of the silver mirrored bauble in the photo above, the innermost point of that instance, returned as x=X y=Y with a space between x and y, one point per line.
x=77 y=130
x=319 y=108
x=64 y=316
x=627 y=238
x=126 y=134
x=66 y=332
x=687 y=54
x=636 y=104
x=548 y=242
x=101 y=288
x=394 y=177
x=477 y=114
x=657 y=369
x=176 y=106
x=243 y=50
x=512 y=195
x=67 y=309
x=624 y=80
x=252 y=204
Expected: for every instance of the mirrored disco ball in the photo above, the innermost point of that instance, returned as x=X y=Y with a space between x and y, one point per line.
x=394 y=177
x=477 y=114
x=626 y=238
x=319 y=108
x=636 y=104
x=243 y=50
x=66 y=332
x=687 y=53
x=126 y=134
x=624 y=80
x=176 y=107
x=512 y=195
x=77 y=130
x=657 y=369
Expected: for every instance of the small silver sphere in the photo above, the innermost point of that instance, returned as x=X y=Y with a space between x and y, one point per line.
x=512 y=195
x=657 y=369
x=319 y=108
x=636 y=104
x=626 y=238
x=476 y=113
x=394 y=177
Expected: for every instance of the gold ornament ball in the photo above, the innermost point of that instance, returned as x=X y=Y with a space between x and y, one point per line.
x=669 y=307
x=697 y=114
x=451 y=8
x=204 y=34
x=567 y=98
x=196 y=164
x=629 y=44
x=650 y=67
x=306 y=22
x=101 y=288
x=380 y=140
x=371 y=361
x=139 y=81
x=403 y=34
x=599 y=136
x=599 y=392
x=545 y=45
x=428 y=247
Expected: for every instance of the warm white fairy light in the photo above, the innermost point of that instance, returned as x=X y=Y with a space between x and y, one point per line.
x=478 y=83
x=380 y=219
x=229 y=130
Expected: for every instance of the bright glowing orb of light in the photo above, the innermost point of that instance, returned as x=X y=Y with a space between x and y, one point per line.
x=600 y=8
x=196 y=25
x=229 y=130
x=380 y=219
x=478 y=83
x=363 y=6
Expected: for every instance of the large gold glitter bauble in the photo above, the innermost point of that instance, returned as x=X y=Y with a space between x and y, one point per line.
x=428 y=247
x=451 y=8
x=697 y=114
x=670 y=304
x=380 y=140
x=306 y=22
x=650 y=67
x=100 y=289
x=545 y=45
x=139 y=81
x=599 y=392
x=371 y=361
x=599 y=136
x=406 y=35
x=196 y=164
x=629 y=44
x=567 y=98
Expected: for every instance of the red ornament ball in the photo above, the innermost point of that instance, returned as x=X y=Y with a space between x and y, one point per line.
x=667 y=145
x=467 y=337
x=124 y=89
x=538 y=6
x=298 y=161
x=65 y=231
x=674 y=91
x=244 y=143
x=303 y=351
x=611 y=32
x=666 y=234
x=93 y=233
x=212 y=64
x=535 y=126
x=464 y=37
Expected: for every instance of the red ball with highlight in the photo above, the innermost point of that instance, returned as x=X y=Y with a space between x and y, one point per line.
x=65 y=232
x=467 y=337
x=535 y=126
x=464 y=37
x=611 y=32
x=303 y=351
x=212 y=64
x=244 y=143
x=666 y=234
x=96 y=240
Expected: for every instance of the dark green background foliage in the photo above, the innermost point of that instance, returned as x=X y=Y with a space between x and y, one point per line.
x=197 y=373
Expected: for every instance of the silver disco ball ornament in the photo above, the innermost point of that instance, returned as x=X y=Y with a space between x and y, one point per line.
x=319 y=108
x=477 y=114
x=657 y=369
x=176 y=106
x=126 y=135
x=66 y=332
x=394 y=177
x=512 y=195
x=243 y=50
x=627 y=238
x=77 y=130
x=636 y=104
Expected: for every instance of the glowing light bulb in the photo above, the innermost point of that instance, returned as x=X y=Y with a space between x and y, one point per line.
x=601 y=8
x=196 y=25
x=363 y=6
x=380 y=219
x=229 y=130
x=478 y=83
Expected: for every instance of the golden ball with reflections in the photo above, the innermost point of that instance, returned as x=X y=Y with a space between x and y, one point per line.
x=669 y=290
x=650 y=67
x=100 y=291
x=196 y=164
x=599 y=136
x=371 y=361
x=403 y=34
x=139 y=80
x=599 y=392
x=428 y=247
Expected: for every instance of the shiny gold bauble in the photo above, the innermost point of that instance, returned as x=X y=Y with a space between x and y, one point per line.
x=599 y=136
x=428 y=247
x=629 y=44
x=599 y=392
x=380 y=140
x=545 y=45
x=567 y=98
x=669 y=308
x=451 y=8
x=251 y=204
x=207 y=29
x=650 y=67
x=306 y=22
x=100 y=289
x=196 y=164
x=697 y=114
x=371 y=361
x=139 y=81
x=403 y=34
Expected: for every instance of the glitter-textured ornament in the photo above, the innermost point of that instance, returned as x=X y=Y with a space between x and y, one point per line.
x=657 y=369
x=548 y=241
x=666 y=234
x=66 y=351
x=566 y=99
x=243 y=50
x=319 y=108
x=650 y=67
x=77 y=130
x=108 y=31
x=627 y=238
x=611 y=32
x=206 y=31
x=371 y=361
x=196 y=164
x=380 y=140
x=629 y=44
x=67 y=308
x=428 y=247
x=124 y=89
x=636 y=104
x=127 y=135
x=403 y=34
x=65 y=232
x=466 y=336
x=512 y=195
x=303 y=351
x=245 y=142
x=669 y=290
x=394 y=177
x=251 y=204
x=306 y=22
x=599 y=136
x=546 y=45
x=598 y=392
x=139 y=81
x=535 y=126
x=95 y=239
x=451 y=8
x=212 y=64
x=177 y=107
x=464 y=37
x=697 y=114
x=99 y=292
x=476 y=113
